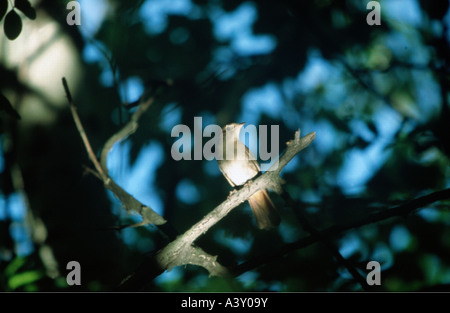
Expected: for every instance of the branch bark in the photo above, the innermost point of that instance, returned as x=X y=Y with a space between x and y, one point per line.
x=331 y=232
x=130 y=203
x=327 y=242
x=182 y=251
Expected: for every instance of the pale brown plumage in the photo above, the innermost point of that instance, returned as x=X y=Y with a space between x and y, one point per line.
x=242 y=168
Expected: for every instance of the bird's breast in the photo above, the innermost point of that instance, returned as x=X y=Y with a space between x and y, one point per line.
x=238 y=171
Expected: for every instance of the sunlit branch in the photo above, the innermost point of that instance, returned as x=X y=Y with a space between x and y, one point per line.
x=182 y=251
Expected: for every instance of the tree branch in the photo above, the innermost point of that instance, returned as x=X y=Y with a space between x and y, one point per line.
x=127 y=130
x=298 y=210
x=331 y=232
x=181 y=251
x=80 y=129
x=129 y=202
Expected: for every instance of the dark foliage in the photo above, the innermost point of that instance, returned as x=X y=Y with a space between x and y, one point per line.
x=375 y=95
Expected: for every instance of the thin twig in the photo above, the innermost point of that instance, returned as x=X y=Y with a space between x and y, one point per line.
x=129 y=202
x=89 y=170
x=83 y=135
x=127 y=130
x=296 y=207
x=182 y=251
x=331 y=232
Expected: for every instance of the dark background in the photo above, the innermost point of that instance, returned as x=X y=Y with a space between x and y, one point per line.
x=377 y=96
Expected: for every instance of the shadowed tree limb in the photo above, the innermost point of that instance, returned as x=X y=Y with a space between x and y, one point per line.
x=182 y=250
x=333 y=231
x=130 y=203
x=298 y=210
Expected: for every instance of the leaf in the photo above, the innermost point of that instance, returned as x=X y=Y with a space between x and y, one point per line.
x=24 y=278
x=26 y=8
x=6 y=107
x=14 y=266
x=3 y=8
x=12 y=25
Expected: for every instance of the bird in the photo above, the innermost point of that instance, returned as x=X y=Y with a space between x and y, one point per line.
x=241 y=168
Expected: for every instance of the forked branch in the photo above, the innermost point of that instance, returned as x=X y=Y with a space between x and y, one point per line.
x=129 y=202
x=182 y=250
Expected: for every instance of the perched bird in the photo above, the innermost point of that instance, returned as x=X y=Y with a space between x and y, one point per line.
x=241 y=168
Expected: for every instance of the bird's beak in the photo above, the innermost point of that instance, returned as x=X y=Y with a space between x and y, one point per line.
x=239 y=127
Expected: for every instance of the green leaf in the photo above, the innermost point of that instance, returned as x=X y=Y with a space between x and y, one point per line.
x=3 y=8
x=5 y=106
x=26 y=8
x=24 y=278
x=12 y=25
x=14 y=266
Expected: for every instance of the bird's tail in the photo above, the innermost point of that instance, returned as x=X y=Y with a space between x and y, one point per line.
x=265 y=212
